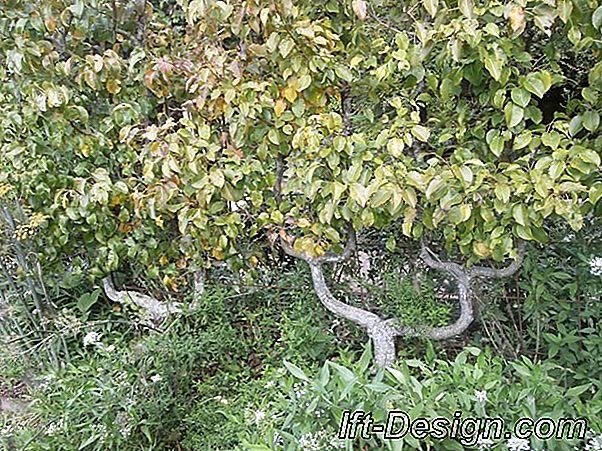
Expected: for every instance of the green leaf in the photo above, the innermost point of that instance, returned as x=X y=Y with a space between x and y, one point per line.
x=591 y=120
x=359 y=193
x=420 y=132
x=466 y=174
x=91 y=439
x=589 y=156
x=304 y=82
x=522 y=140
x=520 y=96
x=519 y=213
x=390 y=243
x=597 y=18
x=494 y=66
x=595 y=192
x=575 y=125
x=574 y=392
x=435 y=185
x=87 y=300
x=551 y=139
x=431 y=6
x=514 y=115
x=459 y=213
x=534 y=84
x=295 y=371
x=524 y=232
x=497 y=145
x=343 y=73
x=556 y=169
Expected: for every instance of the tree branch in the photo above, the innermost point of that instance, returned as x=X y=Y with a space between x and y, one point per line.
x=431 y=260
x=156 y=309
x=359 y=316
x=279 y=177
x=480 y=271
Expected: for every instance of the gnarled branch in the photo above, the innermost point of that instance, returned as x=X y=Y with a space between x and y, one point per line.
x=431 y=259
x=156 y=309
x=480 y=271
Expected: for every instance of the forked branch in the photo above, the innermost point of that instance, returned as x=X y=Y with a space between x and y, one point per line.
x=480 y=271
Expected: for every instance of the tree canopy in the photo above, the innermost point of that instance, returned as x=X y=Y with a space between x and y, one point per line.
x=177 y=135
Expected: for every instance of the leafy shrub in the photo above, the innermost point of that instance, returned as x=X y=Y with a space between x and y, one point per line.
x=309 y=410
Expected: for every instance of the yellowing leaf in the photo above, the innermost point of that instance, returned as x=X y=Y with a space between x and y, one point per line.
x=290 y=93
x=114 y=86
x=466 y=8
x=280 y=106
x=395 y=147
x=285 y=47
x=516 y=19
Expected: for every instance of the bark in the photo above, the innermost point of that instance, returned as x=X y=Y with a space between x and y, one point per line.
x=155 y=309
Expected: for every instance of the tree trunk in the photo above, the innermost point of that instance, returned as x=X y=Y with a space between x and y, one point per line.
x=383 y=343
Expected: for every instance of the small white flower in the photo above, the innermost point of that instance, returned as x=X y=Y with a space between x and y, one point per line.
x=259 y=416
x=481 y=395
x=270 y=384
x=221 y=399
x=568 y=237
x=594 y=443
x=518 y=444
x=595 y=266
x=91 y=338
x=337 y=443
x=156 y=378
x=484 y=443
x=110 y=349
x=300 y=389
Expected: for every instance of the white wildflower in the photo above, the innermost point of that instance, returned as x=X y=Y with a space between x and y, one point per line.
x=310 y=442
x=594 y=443
x=221 y=399
x=595 y=266
x=259 y=416
x=270 y=384
x=125 y=421
x=91 y=338
x=156 y=378
x=300 y=389
x=518 y=444
x=337 y=443
x=484 y=443
x=481 y=395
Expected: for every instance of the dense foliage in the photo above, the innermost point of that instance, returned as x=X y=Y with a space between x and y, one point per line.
x=158 y=140
x=174 y=135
